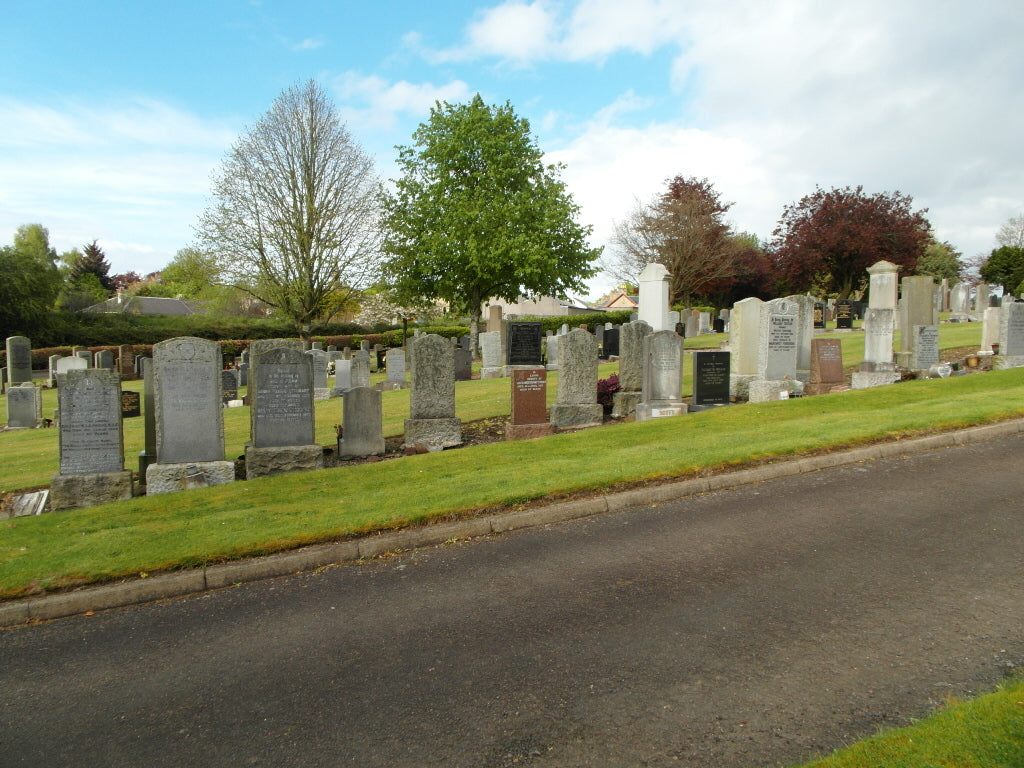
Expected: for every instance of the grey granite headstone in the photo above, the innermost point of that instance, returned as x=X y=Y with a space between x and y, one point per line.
x=51 y=370
x=67 y=364
x=104 y=359
x=778 y=340
x=396 y=367
x=662 y=393
x=1011 y=334
x=320 y=359
x=24 y=406
x=360 y=369
x=19 y=360
x=577 y=404
x=916 y=307
x=362 y=424
x=744 y=333
x=189 y=422
x=432 y=422
x=342 y=376
x=924 y=347
x=493 y=361
x=551 y=352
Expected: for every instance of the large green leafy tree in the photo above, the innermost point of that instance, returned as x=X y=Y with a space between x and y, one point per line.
x=942 y=261
x=29 y=281
x=294 y=219
x=1005 y=267
x=477 y=214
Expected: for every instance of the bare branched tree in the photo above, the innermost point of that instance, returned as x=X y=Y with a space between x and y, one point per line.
x=683 y=229
x=1011 y=233
x=294 y=220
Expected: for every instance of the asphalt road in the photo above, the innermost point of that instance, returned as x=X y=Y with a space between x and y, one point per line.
x=750 y=627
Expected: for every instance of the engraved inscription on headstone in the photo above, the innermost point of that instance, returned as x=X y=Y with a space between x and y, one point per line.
x=90 y=422
x=131 y=405
x=282 y=396
x=844 y=314
x=186 y=388
x=524 y=343
x=711 y=378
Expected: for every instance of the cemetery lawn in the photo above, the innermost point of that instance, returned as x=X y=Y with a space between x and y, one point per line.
x=987 y=732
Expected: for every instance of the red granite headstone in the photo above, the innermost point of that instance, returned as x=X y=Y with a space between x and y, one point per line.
x=529 y=404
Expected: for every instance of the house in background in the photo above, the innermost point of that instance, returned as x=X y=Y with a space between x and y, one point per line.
x=542 y=306
x=621 y=300
x=145 y=305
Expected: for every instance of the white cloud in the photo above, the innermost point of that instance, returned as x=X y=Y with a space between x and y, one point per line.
x=309 y=44
x=370 y=103
x=514 y=31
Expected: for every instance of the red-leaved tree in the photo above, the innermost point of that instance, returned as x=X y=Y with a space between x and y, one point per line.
x=829 y=239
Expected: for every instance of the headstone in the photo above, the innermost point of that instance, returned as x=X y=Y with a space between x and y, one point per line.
x=819 y=315
x=494 y=319
x=710 y=380
x=342 y=377
x=959 y=303
x=147 y=455
x=878 y=368
x=104 y=358
x=125 y=360
x=631 y=368
x=465 y=342
x=662 y=377
x=826 y=366
x=463 y=364
x=1011 y=335
x=362 y=424
x=19 y=360
x=924 y=347
x=917 y=307
x=24 y=406
x=804 y=334
x=317 y=345
x=320 y=360
x=360 y=370
x=51 y=370
x=718 y=325
x=844 y=315
x=524 y=341
x=883 y=290
x=778 y=340
x=281 y=402
x=228 y=385
x=189 y=422
x=529 y=404
x=432 y=422
x=577 y=404
x=91 y=442
x=990 y=330
x=654 y=297
x=982 y=292
x=551 y=352
x=744 y=332
x=86 y=355
x=705 y=322
x=493 y=366
x=131 y=404
x=692 y=327
x=396 y=369
x=611 y=342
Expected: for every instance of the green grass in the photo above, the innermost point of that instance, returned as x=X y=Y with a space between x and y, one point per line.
x=987 y=732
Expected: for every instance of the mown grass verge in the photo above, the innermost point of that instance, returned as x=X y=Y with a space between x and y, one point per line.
x=271 y=514
x=987 y=732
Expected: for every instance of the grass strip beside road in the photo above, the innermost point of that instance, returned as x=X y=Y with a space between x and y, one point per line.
x=987 y=732
x=271 y=514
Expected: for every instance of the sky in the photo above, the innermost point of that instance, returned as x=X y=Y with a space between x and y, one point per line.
x=114 y=114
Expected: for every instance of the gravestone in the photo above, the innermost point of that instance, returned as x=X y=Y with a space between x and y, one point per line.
x=924 y=347
x=395 y=369
x=360 y=370
x=711 y=372
x=342 y=377
x=982 y=292
x=362 y=424
x=320 y=359
x=147 y=455
x=529 y=404
x=705 y=322
x=804 y=334
x=959 y=303
x=662 y=393
x=432 y=422
x=131 y=404
x=1011 y=335
x=463 y=364
x=281 y=400
x=883 y=291
x=611 y=342
x=104 y=359
x=494 y=319
x=51 y=370
x=917 y=307
x=819 y=315
x=878 y=368
x=631 y=368
x=654 y=297
x=844 y=315
x=125 y=360
x=493 y=366
x=778 y=346
x=551 y=352
x=24 y=406
x=524 y=340
x=990 y=330
x=19 y=360
x=189 y=421
x=91 y=442
x=692 y=326
x=744 y=333
x=826 y=366
x=86 y=355
x=228 y=385
x=577 y=404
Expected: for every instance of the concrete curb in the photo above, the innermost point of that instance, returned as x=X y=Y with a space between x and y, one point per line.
x=307 y=559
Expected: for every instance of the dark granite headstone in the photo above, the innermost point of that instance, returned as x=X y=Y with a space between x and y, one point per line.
x=131 y=405
x=524 y=343
x=844 y=314
x=611 y=342
x=228 y=385
x=711 y=378
x=718 y=326
x=819 y=315
x=463 y=364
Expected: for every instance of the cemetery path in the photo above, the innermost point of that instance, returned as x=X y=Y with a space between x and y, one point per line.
x=754 y=626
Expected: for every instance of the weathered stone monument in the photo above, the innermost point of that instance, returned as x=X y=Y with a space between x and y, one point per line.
x=662 y=393
x=320 y=359
x=744 y=335
x=189 y=422
x=19 y=360
x=281 y=401
x=24 y=406
x=342 y=377
x=493 y=365
x=779 y=335
x=551 y=352
x=654 y=297
x=916 y=307
x=878 y=368
x=710 y=380
x=577 y=404
x=529 y=404
x=360 y=369
x=631 y=368
x=924 y=347
x=959 y=303
x=1011 y=335
x=362 y=424
x=91 y=442
x=463 y=364
x=432 y=422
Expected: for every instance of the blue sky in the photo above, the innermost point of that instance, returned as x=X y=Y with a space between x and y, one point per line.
x=114 y=114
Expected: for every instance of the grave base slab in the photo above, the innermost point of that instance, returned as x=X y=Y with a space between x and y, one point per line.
x=739 y=384
x=766 y=390
x=576 y=415
x=168 y=478
x=438 y=433
x=660 y=409
x=262 y=462
x=89 y=489
x=492 y=373
x=527 y=431
x=625 y=403
x=868 y=379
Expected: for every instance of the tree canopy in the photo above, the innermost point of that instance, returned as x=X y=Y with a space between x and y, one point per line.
x=942 y=261
x=829 y=239
x=476 y=214
x=29 y=280
x=295 y=216
x=1005 y=267
x=684 y=229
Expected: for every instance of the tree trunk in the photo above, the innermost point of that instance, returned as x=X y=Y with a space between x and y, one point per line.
x=474 y=334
